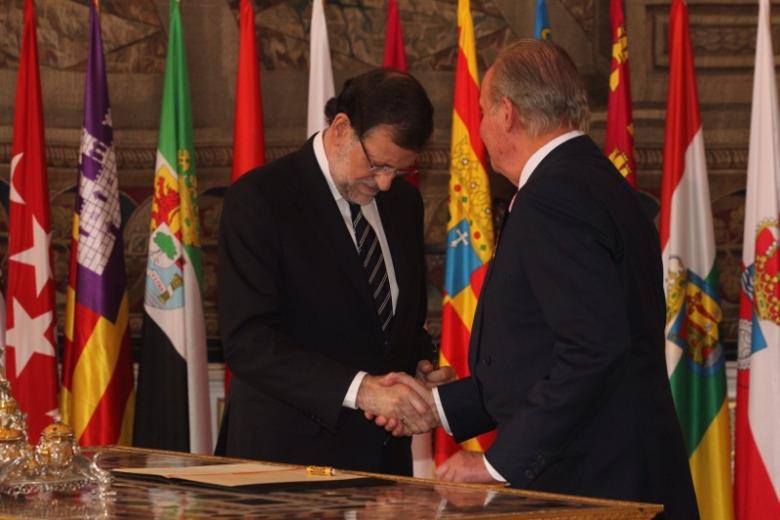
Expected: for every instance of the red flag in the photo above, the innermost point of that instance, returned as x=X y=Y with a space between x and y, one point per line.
x=248 y=133
x=31 y=363
x=395 y=56
x=619 y=142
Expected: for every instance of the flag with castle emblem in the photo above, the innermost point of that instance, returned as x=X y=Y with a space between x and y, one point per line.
x=30 y=356
x=172 y=406
x=757 y=452
x=695 y=358
x=619 y=140
x=470 y=228
x=96 y=398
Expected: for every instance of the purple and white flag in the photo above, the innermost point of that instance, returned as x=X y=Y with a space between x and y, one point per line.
x=96 y=398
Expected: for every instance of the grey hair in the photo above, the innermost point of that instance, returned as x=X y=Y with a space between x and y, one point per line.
x=543 y=84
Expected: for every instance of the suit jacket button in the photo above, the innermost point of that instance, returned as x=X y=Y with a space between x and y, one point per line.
x=529 y=473
x=488 y=360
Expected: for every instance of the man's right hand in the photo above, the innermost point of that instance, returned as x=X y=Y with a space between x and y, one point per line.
x=404 y=407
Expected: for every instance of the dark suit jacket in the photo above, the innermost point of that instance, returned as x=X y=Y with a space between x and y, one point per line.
x=567 y=350
x=297 y=320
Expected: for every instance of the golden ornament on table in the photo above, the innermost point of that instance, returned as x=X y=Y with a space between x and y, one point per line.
x=56 y=448
x=54 y=465
x=12 y=444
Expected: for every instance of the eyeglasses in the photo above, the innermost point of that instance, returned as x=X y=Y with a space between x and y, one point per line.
x=384 y=169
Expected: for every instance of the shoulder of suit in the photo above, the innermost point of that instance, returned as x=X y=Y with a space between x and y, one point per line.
x=275 y=176
x=577 y=181
x=575 y=165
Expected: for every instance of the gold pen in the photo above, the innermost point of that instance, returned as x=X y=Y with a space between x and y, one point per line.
x=320 y=471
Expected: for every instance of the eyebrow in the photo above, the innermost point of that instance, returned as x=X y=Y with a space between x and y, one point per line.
x=381 y=164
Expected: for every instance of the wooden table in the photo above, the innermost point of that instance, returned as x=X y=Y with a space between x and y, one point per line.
x=400 y=498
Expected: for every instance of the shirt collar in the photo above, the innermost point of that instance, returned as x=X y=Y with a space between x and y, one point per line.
x=322 y=160
x=542 y=152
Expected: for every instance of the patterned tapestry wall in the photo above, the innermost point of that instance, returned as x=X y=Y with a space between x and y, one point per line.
x=135 y=36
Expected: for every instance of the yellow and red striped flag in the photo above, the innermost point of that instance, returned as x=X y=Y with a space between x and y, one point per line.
x=470 y=228
x=97 y=398
x=619 y=141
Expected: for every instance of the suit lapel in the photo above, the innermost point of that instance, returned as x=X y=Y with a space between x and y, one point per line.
x=320 y=210
x=476 y=328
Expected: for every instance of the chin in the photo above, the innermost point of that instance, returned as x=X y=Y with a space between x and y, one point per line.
x=360 y=199
x=357 y=196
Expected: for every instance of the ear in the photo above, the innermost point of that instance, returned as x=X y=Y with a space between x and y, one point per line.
x=341 y=125
x=509 y=117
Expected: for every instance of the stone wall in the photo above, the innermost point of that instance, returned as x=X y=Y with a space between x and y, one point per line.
x=135 y=35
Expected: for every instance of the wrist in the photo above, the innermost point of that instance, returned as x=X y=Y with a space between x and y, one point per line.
x=363 y=398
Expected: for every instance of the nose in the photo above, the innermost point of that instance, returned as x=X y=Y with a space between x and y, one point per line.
x=383 y=181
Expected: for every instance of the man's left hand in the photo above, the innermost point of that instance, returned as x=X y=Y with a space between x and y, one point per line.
x=465 y=466
x=431 y=376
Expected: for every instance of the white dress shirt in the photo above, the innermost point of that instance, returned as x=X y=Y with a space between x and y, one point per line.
x=371 y=214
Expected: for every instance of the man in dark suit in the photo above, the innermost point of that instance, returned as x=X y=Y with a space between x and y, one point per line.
x=567 y=350
x=322 y=286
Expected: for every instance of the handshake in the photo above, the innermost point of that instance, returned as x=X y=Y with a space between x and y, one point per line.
x=400 y=403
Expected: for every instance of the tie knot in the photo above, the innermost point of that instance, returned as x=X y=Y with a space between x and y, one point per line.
x=355 y=210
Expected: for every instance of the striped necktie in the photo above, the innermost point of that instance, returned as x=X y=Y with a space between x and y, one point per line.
x=374 y=264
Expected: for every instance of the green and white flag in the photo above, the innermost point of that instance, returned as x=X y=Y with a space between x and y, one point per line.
x=172 y=406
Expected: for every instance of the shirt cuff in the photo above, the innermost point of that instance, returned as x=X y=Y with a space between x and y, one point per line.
x=350 y=400
x=493 y=473
x=440 y=411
